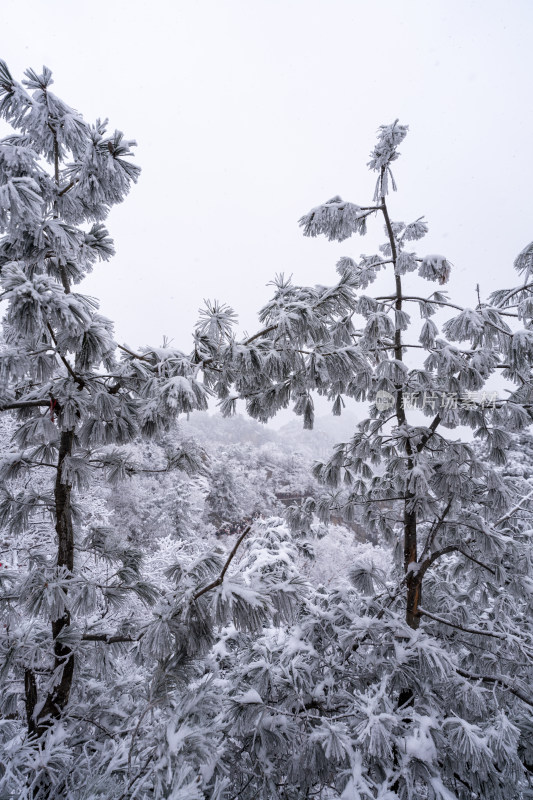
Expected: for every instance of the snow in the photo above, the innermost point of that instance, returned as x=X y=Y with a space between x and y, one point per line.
x=249 y=697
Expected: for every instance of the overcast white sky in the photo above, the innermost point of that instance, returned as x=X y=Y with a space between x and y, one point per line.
x=249 y=112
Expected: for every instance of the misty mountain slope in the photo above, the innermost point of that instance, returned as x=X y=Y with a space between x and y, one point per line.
x=290 y=438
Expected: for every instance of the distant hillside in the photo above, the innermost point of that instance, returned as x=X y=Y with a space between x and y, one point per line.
x=328 y=430
x=289 y=438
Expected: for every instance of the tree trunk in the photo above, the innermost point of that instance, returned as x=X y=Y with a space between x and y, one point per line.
x=58 y=697
x=30 y=696
x=413 y=579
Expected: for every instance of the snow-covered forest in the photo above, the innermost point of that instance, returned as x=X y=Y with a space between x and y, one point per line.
x=196 y=606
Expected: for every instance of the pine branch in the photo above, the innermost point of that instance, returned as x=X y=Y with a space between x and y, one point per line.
x=415 y=299
x=68 y=187
x=231 y=556
x=435 y=527
x=248 y=782
x=432 y=428
x=451 y=548
x=475 y=560
x=260 y=333
x=79 y=381
x=412 y=298
x=24 y=404
x=513 y=292
x=114 y=638
x=131 y=353
x=126 y=794
x=514 y=510
x=497 y=679
x=474 y=631
x=110 y=638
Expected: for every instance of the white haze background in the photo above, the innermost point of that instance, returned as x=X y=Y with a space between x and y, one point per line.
x=247 y=113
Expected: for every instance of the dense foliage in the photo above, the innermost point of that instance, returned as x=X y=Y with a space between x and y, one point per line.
x=433 y=696
x=142 y=656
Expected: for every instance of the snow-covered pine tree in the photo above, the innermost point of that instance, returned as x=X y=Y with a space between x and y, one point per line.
x=377 y=691
x=104 y=689
x=72 y=589
x=223 y=507
x=414 y=683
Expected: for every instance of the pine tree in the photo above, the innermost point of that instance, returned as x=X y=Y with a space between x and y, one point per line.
x=44 y=251
x=430 y=666
x=194 y=673
x=73 y=407
x=223 y=506
x=97 y=637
